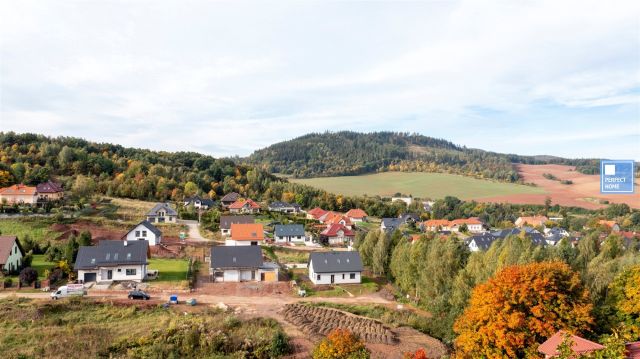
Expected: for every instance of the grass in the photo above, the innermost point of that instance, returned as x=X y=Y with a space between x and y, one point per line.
x=418 y=184
x=35 y=227
x=367 y=286
x=170 y=270
x=131 y=209
x=40 y=265
x=288 y=255
x=84 y=328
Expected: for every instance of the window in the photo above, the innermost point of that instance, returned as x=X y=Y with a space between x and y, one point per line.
x=108 y=256
x=137 y=233
x=318 y=277
x=128 y=256
x=342 y=275
x=144 y=233
x=131 y=271
x=93 y=261
x=352 y=276
x=119 y=270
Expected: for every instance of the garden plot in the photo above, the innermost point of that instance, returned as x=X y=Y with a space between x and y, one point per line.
x=317 y=321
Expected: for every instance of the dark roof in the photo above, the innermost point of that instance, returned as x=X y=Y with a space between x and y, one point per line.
x=230 y=197
x=170 y=211
x=6 y=244
x=112 y=253
x=483 y=241
x=405 y=217
x=278 y=204
x=283 y=230
x=49 y=187
x=391 y=223
x=236 y=257
x=327 y=262
x=150 y=227
x=226 y=221
x=205 y=201
x=536 y=237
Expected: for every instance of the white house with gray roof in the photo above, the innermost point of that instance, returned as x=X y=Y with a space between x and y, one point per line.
x=241 y=264
x=113 y=260
x=335 y=267
x=162 y=213
x=145 y=231
x=289 y=233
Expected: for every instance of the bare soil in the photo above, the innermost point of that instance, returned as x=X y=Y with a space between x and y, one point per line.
x=584 y=192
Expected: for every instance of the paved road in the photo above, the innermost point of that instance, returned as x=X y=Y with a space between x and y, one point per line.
x=194 y=231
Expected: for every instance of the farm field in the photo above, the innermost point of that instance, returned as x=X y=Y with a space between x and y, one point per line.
x=423 y=185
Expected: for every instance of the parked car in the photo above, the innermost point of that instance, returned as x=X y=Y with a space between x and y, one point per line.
x=69 y=290
x=138 y=294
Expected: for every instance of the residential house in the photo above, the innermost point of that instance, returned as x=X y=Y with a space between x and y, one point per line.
x=390 y=224
x=49 y=191
x=612 y=225
x=11 y=254
x=287 y=233
x=533 y=221
x=337 y=218
x=245 y=234
x=227 y=221
x=284 y=207
x=436 y=225
x=357 y=215
x=162 y=213
x=579 y=345
x=480 y=242
x=554 y=235
x=534 y=235
x=198 y=202
x=407 y=218
x=244 y=206
x=113 y=261
x=241 y=264
x=407 y=200
x=229 y=199
x=316 y=213
x=428 y=205
x=474 y=225
x=335 y=267
x=145 y=231
x=19 y=194
x=632 y=350
x=337 y=234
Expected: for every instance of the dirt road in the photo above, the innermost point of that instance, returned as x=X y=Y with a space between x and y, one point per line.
x=194 y=231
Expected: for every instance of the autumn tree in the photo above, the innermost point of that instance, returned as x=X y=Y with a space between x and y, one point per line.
x=521 y=306
x=624 y=299
x=418 y=354
x=341 y=344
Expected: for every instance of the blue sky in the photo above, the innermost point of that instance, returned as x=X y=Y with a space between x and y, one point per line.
x=226 y=78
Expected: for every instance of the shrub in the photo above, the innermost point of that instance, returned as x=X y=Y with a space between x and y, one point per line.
x=341 y=344
x=28 y=276
x=279 y=345
x=8 y=282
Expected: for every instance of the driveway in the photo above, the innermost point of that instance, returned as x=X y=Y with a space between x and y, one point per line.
x=194 y=231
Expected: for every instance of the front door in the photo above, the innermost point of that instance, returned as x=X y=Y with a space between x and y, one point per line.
x=333 y=278
x=262 y=277
x=110 y=275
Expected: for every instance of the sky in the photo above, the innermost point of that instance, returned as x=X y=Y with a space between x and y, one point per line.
x=226 y=78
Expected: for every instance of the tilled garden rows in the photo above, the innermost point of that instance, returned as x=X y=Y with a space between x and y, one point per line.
x=320 y=321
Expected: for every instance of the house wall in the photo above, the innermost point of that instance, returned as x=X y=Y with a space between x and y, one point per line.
x=157 y=219
x=51 y=196
x=119 y=273
x=338 y=240
x=17 y=198
x=284 y=239
x=473 y=247
x=150 y=236
x=225 y=231
x=231 y=242
x=325 y=278
x=14 y=261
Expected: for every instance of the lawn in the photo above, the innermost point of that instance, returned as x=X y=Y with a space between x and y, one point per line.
x=40 y=265
x=418 y=184
x=170 y=270
x=37 y=228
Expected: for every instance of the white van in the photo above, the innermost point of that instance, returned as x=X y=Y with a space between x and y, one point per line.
x=69 y=290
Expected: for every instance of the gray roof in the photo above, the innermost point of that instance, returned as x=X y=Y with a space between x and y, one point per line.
x=329 y=262
x=406 y=217
x=236 y=257
x=284 y=230
x=111 y=254
x=150 y=227
x=204 y=201
x=226 y=221
x=391 y=223
x=277 y=204
x=483 y=241
x=230 y=197
x=533 y=234
x=162 y=206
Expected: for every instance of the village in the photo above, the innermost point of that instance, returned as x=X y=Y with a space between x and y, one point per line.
x=264 y=259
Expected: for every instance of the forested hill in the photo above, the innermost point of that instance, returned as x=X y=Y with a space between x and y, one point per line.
x=353 y=153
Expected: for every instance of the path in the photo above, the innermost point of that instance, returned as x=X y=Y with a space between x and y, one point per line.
x=194 y=231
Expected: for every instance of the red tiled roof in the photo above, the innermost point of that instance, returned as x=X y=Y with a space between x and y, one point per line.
x=336 y=218
x=629 y=234
x=333 y=229
x=317 y=212
x=579 y=345
x=247 y=231
x=533 y=220
x=609 y=224
x=18 y=190
x=6 y=243
x=241 y=203
x=633 y=350
x=472 y=220
x=436 y=222
x=356 y=213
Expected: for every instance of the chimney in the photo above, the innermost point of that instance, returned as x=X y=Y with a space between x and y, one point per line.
x=125 y=242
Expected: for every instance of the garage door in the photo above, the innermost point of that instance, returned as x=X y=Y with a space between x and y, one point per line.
x=89 y=277
x=270 y=277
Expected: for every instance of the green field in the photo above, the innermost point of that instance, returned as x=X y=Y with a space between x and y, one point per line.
x=37 y=228
x=170 y=270
x=418 y=184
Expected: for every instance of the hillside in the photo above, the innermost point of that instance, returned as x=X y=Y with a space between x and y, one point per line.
x=351 y=153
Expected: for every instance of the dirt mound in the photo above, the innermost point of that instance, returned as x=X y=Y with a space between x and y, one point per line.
x=58 y=227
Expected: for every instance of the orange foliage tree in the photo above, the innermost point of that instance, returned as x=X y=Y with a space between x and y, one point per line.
x=419 y=354
x=341 y=344
x=520 y=307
